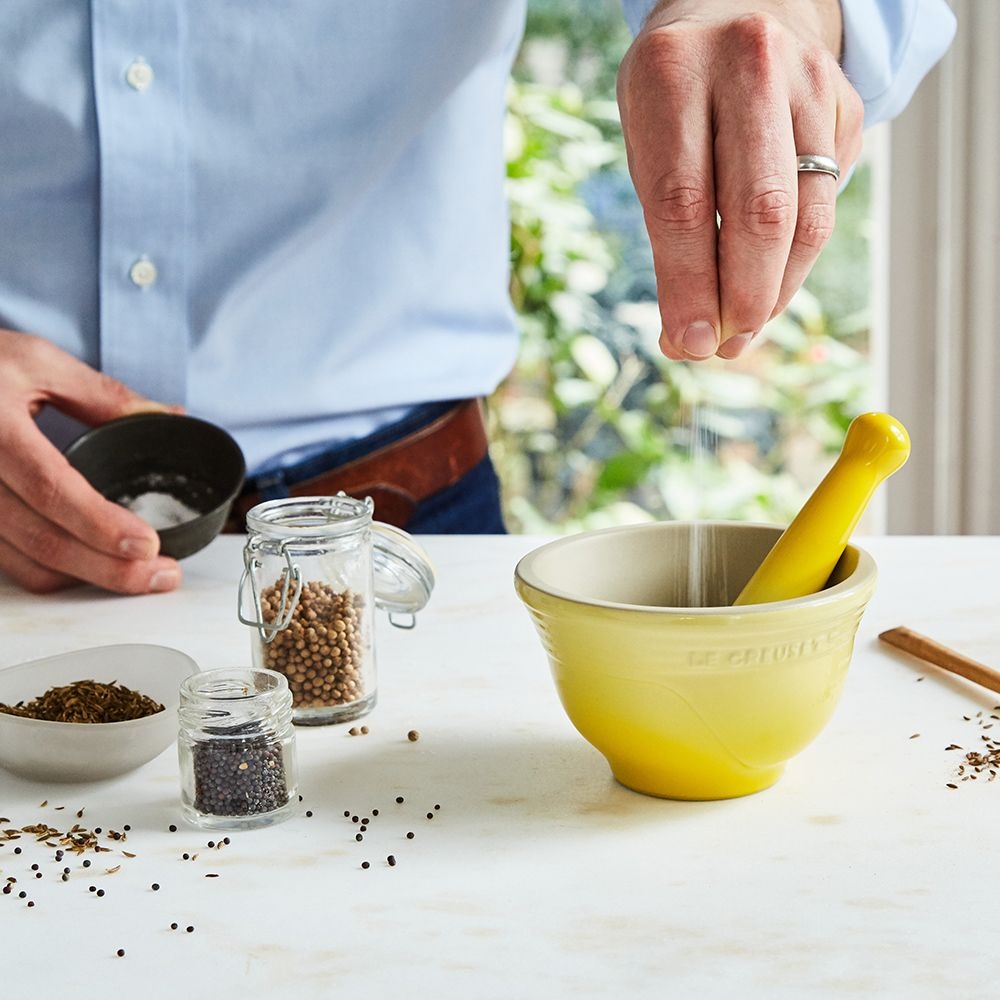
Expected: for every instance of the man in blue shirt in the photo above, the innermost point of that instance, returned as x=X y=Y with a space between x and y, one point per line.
x=293 y=224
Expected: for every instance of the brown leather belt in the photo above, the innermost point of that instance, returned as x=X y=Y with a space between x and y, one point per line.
x=400 y=475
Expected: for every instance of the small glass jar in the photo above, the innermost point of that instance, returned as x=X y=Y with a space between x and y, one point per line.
x=236 y=748
x=315 y=568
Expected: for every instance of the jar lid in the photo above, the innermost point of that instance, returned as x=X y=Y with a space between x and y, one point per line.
x=404 y=576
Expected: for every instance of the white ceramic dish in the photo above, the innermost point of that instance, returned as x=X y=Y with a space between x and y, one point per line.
x=75 y=751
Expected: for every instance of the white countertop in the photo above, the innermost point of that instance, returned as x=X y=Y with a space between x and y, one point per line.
x=859 y=874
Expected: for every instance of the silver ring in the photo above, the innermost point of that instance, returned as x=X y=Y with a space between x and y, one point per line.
x=814 y=163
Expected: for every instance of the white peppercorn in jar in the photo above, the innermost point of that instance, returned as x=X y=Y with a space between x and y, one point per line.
x=315 y=569
x=236 y=748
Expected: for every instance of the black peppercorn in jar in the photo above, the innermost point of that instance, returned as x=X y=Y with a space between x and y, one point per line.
x=236 y=748
x=315 y=568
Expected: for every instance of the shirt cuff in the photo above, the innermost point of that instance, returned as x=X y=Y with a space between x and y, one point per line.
x=889 y=46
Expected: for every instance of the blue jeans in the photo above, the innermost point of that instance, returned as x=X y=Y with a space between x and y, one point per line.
x=469 y=507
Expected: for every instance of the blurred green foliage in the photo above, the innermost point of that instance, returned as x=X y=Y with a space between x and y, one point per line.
x=594 y=426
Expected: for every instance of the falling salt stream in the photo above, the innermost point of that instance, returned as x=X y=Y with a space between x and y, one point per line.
x=706 y=582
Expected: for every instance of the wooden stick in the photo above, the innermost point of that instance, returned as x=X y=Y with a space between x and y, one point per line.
x=941 y=656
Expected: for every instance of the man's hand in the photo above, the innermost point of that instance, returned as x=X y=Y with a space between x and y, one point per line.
x=54 y=527
x=717 y=98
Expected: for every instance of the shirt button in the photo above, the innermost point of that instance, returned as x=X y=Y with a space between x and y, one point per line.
x=139 y=74
x=142 y=272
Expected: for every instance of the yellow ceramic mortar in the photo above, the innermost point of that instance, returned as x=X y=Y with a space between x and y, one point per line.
x=690 y=703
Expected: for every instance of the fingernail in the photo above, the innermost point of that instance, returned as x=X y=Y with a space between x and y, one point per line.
x=700 y=340
x=735 y=346
x=164 y=579
x=138 y=548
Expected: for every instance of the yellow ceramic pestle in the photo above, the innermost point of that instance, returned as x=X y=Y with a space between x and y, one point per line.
x=805 y=554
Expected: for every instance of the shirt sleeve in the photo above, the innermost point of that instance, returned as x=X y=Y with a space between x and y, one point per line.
x=889 y=46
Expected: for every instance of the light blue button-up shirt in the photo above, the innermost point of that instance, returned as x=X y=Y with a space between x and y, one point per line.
x=289 y=218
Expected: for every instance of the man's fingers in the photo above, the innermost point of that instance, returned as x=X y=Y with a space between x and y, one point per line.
x=717 y=102
x=826 y=122
x=42 y=556
x=34 y=472
x=664 y=95
x=756 y=179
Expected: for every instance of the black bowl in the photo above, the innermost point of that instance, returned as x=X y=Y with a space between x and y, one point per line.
x=192 y=460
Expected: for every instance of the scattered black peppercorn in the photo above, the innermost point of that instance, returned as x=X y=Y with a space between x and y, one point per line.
x=391 y=860
x=100 y=892
x=173 y=926
x=120 y=953
x=399 y=798
x=34 y=867
x=185 y=856
x=430 y=815
x=189 y=929
x=31 y=902
x=86 y=863
x=365 y=864
x=22 y=895
x=358 y=837
x=409 y=836
x=309 y=812
x=92 y=888
x=126 y=828
x=17 y=850
x=374 y=812
x=155 y=887
x=172 y=828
